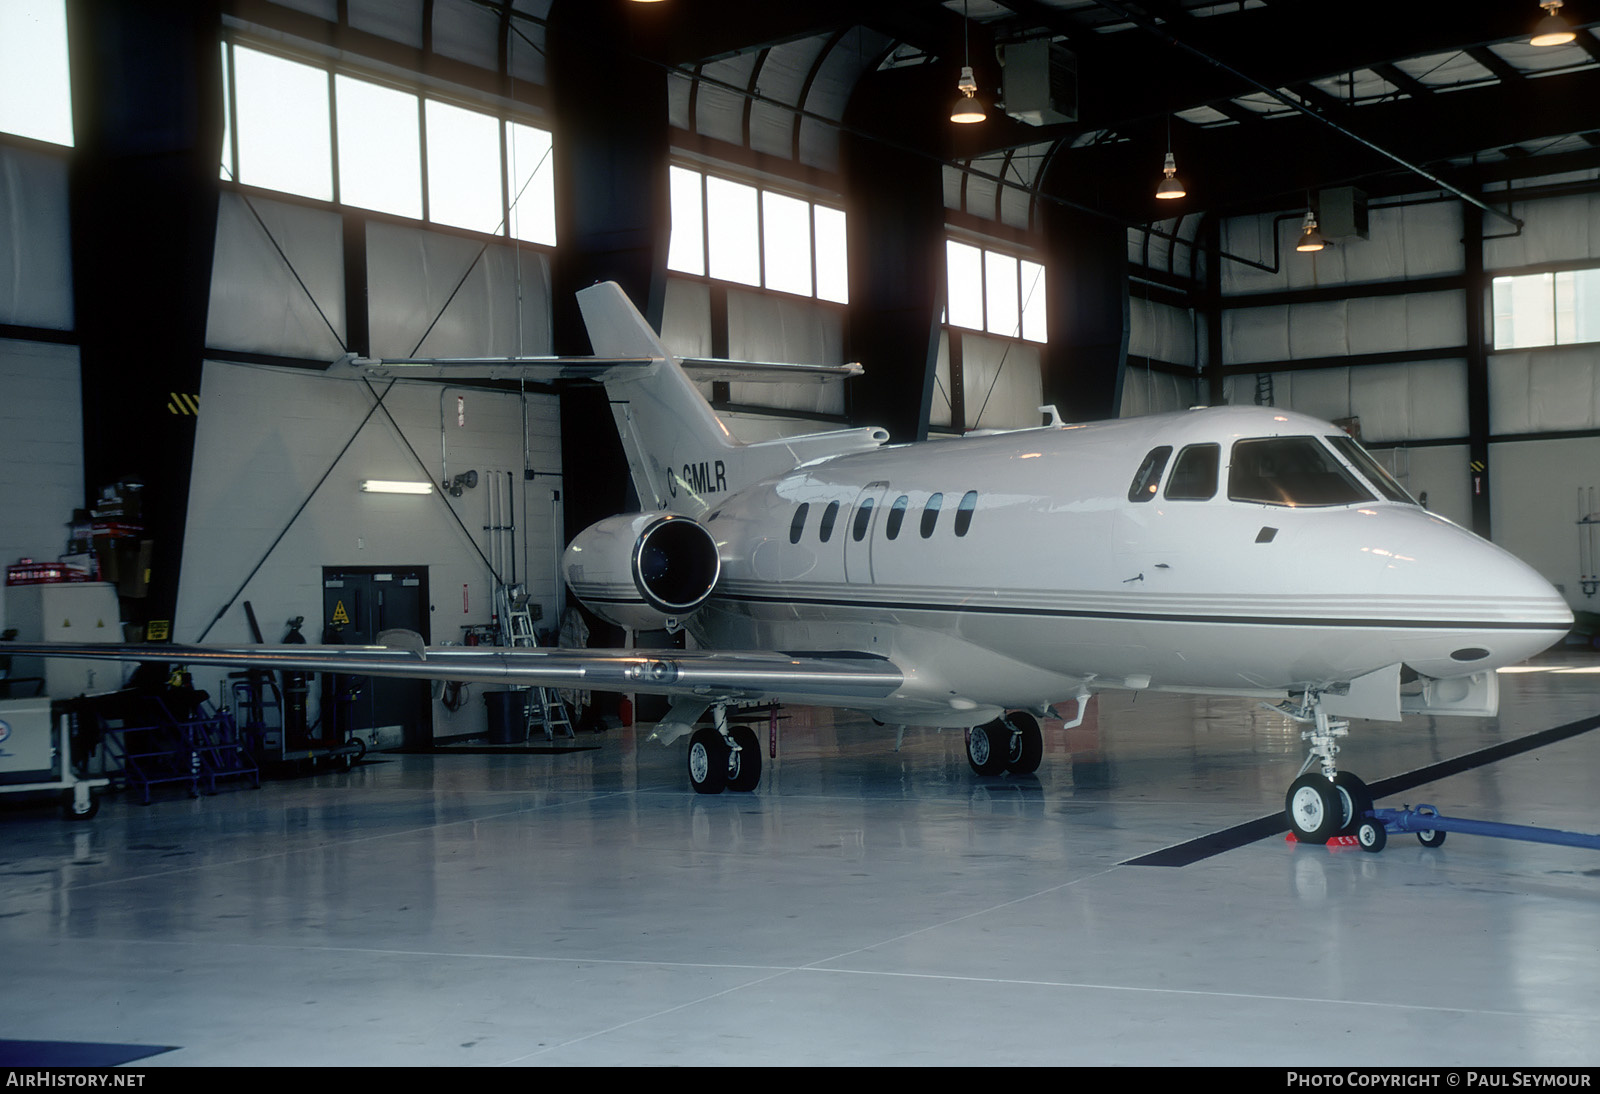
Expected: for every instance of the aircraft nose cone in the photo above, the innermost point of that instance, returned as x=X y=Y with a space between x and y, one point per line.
x=1473 y=605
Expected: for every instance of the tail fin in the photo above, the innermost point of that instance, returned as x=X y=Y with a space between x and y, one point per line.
x=680 y=454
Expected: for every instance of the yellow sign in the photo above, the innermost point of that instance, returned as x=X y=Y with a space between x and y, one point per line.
x=339 y=614
x=159 y=630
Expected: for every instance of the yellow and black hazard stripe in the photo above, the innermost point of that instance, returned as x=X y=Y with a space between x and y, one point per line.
x=183 y=404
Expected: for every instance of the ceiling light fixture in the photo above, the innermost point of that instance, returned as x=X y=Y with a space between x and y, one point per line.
x=1552 y=30
x=1310 y=238
x=967 y=109
x=1169 y=186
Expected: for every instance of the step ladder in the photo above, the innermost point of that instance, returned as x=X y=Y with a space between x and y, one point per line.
x=544 y=707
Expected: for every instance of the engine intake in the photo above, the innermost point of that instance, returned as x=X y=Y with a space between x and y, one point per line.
x=646 y=571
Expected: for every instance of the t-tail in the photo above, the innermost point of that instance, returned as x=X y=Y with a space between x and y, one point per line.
x=682 y=457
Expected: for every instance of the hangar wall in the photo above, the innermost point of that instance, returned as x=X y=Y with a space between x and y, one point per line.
x=267 y=434
x=1377 y=328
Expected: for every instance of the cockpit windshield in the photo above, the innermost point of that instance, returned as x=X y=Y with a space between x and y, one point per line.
x=1292 y=471
x=1375 y=472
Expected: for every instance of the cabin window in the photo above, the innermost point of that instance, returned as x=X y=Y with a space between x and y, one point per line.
x=863 y=521
x=1194 y=475
x=930 y=515
x=1149 y=474
x=1375 y=472
x=829 y=515
x=1292 y=471
x=798 y=525
x=969 y=502
x=897 y=515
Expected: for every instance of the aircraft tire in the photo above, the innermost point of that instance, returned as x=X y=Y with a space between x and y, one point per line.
x=1355 y=800
x=1313 y=808
x=744 y=766
x=1024 y=743
x=708 y=762
x=987 y=746
x=1372 y=835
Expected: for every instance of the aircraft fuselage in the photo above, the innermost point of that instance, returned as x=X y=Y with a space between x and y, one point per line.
x=1012 y=569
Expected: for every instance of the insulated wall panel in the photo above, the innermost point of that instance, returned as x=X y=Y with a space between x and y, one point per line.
x=1535 y=501
x=258 y=303
x=41 y=449
x=1554 y=230
x=417 y=309
x=1146 y=391
x=1161 y=331
x=35 y=241
x=1001 y=381
x=769 y=327
x=1543 y=390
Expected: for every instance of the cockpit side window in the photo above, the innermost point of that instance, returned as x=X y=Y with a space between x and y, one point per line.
x=1291 y=471
x=1148 y=476
x=1194 y=475
x=1375 y=472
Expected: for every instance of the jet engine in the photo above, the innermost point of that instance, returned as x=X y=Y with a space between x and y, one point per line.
x=646 y=571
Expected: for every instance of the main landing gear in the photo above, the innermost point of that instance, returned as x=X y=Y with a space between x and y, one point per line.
x=1011 y=743
x=724 y=757
x=1326 y=802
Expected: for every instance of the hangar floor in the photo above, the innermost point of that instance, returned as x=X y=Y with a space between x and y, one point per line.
x=862 y=907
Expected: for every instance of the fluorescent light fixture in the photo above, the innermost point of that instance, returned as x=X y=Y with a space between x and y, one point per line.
x=390 y=486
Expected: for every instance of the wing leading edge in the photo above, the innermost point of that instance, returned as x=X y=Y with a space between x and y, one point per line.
x=842 y=679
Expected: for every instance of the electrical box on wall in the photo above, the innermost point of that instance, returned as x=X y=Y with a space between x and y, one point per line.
x=1342 y=213
x=1040 y=82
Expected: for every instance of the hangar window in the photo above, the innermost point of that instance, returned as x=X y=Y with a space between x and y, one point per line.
x=829 y=516
x=995 y=292
x=1555 y=308
x=750 y=235
x=1292 y=471
x=380 y=147
x=969 y=502
x=35 y=81
x=398 y=151
x=930 y=515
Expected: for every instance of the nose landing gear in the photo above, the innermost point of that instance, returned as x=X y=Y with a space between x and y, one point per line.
x=1327 y=802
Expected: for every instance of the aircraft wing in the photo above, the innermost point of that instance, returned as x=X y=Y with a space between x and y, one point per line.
x=588 y=368
x=710 y=675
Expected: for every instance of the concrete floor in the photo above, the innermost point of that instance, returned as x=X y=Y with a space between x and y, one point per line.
x=862 y=907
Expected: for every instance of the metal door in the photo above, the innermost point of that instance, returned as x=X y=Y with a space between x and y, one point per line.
x=361 y=602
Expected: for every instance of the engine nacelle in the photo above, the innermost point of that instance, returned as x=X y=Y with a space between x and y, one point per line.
x=645 y=571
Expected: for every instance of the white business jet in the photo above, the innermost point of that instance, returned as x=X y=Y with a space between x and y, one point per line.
x=973 y=583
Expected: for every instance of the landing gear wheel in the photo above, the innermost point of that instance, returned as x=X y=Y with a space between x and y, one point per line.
x=1313 y=808
x=1024 y=743
x=1355 y=801
x=708 y=762
x=1431 y=838
x=744 y=766
x=987 y=746
x=1372 y=835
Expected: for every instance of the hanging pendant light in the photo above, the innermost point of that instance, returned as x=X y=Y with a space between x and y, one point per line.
x=1310 y=239
x=967 y=110
x=1552 y=30
x=1169 y=187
